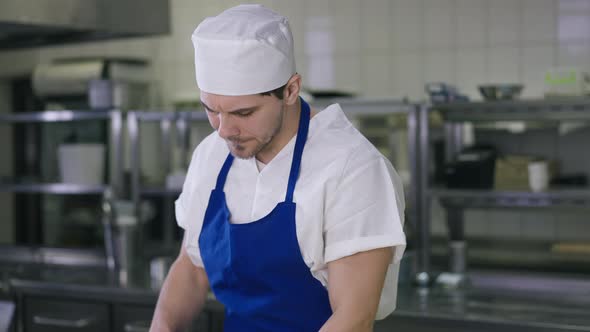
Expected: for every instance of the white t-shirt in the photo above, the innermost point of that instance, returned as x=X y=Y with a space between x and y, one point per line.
x=349 y=198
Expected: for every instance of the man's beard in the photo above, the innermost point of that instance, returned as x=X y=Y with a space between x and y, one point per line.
x=233 y=143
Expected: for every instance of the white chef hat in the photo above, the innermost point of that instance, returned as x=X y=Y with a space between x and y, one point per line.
x=246 y=49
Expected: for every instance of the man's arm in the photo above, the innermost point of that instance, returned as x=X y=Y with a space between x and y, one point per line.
x=183 y=295
x=354 y=286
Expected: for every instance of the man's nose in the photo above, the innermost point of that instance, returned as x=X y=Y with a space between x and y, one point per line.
x=227 y=126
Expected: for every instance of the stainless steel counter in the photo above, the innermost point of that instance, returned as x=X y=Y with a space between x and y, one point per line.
x=492 y=300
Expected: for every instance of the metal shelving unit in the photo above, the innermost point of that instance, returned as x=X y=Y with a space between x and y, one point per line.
x=115 y=119
x=549 y=110
x=456 y=201
x=511 y=199
x=169 y=123
x=53 y=188
x=417 y=209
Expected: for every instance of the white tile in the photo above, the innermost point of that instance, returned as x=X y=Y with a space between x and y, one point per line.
x=301 y=63
x=347 y=7
x=376 y=72
x=347 y=34
x=318 y=8
x=573 y=27
x=470 y=23
x=476 y=223
x=408 y=75
x=504 y=19
x=408 y=29
x=538 y=225
x=536 y=60
x=439 y=66
x=320 y=72
x=504 y=65
x=471 y=69
x=539 y=21
x=347 y=73
x=504 y=224
x=573 y=54
x=320 y=36
x=376 y=25
x=297 y=20
x=438 y=24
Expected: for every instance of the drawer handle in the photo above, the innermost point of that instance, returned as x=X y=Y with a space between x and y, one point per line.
x=60 y=322
x=141 y=326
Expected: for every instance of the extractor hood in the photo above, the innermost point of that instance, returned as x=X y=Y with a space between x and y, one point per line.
x=32 y=23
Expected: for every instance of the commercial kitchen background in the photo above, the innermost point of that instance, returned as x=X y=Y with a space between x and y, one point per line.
x=382 y=48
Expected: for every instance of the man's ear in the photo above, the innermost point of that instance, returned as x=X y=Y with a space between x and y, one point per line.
x=292 y=88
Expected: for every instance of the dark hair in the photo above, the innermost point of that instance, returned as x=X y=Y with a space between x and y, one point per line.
x=278 y=92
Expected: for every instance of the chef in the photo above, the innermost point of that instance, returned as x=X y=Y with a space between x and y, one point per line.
x=292 y=218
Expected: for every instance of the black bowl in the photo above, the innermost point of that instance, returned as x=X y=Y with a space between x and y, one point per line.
x=500 y=91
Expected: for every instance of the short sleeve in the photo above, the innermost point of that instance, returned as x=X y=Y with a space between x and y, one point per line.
x=366 y=211
x=181 y=203
x=184 y=208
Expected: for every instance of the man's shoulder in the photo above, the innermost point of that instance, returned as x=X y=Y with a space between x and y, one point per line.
x=336 y=137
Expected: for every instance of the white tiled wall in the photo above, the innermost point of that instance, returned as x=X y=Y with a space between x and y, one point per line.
x=390 y=48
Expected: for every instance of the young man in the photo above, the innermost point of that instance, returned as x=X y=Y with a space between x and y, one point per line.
x=291 y=217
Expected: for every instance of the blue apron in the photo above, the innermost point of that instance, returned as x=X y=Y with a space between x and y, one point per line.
x=256 y=269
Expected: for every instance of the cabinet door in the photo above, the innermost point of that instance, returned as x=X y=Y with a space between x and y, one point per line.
x=132 y=318
x=49 y=315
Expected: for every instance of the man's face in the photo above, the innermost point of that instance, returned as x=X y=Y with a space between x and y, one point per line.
x=247 y=123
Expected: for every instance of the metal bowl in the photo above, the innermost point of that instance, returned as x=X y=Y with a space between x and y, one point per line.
x=500 y=91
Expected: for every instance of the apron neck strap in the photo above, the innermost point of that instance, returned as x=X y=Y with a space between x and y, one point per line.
x=223 y=173
x=299 y=144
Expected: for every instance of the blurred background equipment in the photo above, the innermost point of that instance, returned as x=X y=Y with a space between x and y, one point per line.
x=500 y=91
x=33 y=23
x=70 y=140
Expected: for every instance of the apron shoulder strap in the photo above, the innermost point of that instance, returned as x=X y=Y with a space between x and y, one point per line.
x=223 y=173
x=298 y=152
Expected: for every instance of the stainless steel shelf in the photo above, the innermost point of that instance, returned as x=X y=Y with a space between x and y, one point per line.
x=194 y=115
x=367 y=107
x=55 y=116
x=159 y=192
x=543 y=109
x=154 y=116
x=53 y=188
x=490 y=198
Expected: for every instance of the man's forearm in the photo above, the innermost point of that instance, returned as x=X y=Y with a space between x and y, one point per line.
x=342 y=321
x=183 y=296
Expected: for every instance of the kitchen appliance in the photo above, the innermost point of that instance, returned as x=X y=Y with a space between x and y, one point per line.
x=567 y=81
x=472 y=168
x=33 y=23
